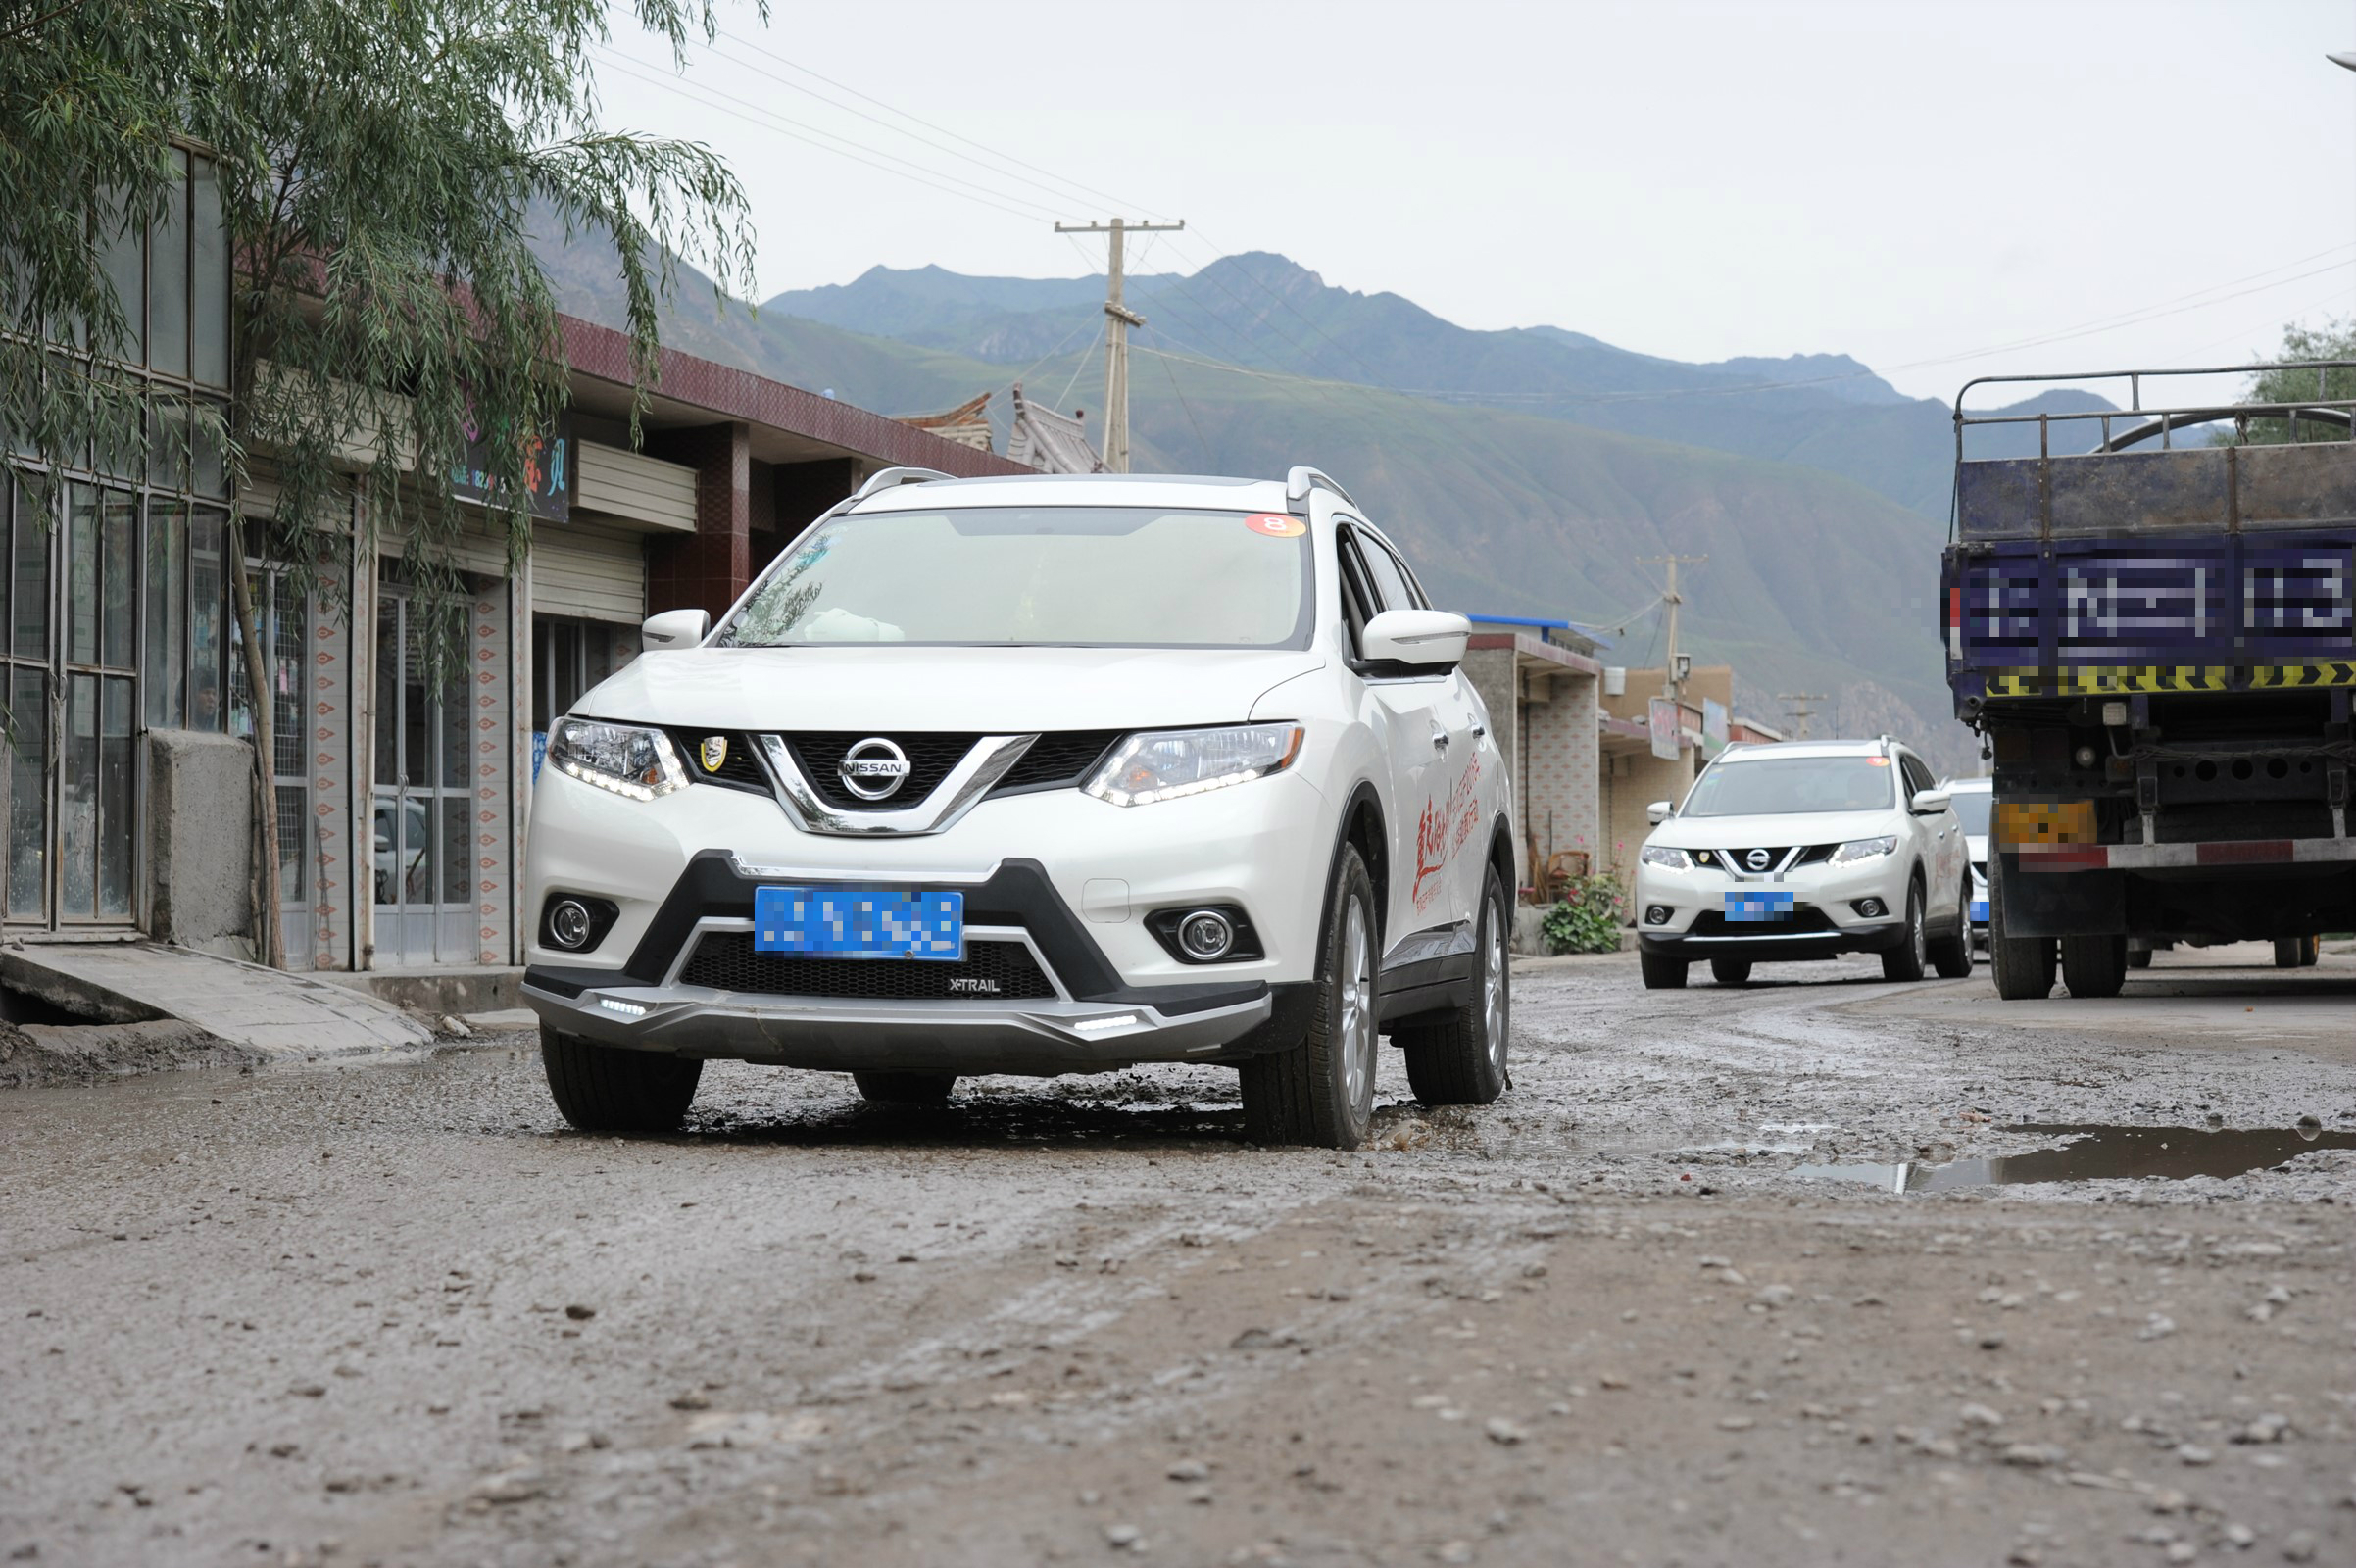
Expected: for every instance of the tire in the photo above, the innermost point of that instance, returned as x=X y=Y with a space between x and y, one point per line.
x=1908 y=962
x=1320 y=1092
x=2313 y=954
x=1460 y=1061
x=2093 y=966
x=2289 y=951
x=2139 y=957
x=1951 y=956
x=606 y=1088
x=906 y=1087
x=2023 y=966
x=1730 y=971
x=1661 y=972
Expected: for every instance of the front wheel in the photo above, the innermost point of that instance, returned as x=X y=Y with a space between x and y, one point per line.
x=605 y=1089
x=1661 y=972
x=1730 y=971
x=1909 y=962
x=1321 y=1090
x=1951 y=956
x=1460 y=1061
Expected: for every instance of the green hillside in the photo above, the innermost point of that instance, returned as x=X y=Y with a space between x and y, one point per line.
x=1814 y=582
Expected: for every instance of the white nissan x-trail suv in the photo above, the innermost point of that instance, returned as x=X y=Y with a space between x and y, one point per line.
x=1035 y=775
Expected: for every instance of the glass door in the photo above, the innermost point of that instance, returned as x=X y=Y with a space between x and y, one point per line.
x=424 y=870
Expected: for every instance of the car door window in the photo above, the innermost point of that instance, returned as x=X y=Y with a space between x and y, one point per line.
x=1918 y=777
x=1390 y=578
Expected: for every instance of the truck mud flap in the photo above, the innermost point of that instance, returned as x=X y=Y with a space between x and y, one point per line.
x=2076 y=904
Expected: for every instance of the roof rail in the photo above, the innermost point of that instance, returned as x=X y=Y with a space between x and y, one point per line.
x=890 y=479
x=1302 y=479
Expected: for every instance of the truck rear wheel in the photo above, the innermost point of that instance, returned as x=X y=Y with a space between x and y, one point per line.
x=2023 y=965
x=2291 y=953
x=2093 y=966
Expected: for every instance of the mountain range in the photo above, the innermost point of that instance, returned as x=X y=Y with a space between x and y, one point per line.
x=1528 y=471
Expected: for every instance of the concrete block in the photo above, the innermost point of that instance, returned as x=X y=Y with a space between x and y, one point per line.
x=200 y=826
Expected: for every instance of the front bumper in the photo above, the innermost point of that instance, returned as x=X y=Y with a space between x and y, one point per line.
x=1032 y=1038
x=1824 y=924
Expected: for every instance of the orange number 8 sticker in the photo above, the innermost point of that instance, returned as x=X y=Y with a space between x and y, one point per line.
x=1276 y=525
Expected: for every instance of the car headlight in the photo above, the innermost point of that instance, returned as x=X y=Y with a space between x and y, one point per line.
x=1166 y=764
x=1662 y=855
x=1856 y=849
x=630 y=760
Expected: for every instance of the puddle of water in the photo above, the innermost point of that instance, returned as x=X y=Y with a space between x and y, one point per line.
x=2102 y=1154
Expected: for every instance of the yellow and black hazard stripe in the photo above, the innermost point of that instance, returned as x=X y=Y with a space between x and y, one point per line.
x=2341 y=673
x=2091 y=680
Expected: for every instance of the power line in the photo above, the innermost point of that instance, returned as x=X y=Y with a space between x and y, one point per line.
x=747 y=110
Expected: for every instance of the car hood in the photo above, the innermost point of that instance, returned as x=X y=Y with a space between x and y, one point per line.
x=1749 y=832
x=976 y=690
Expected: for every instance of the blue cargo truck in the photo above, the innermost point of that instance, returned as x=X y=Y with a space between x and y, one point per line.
x=2148 y=618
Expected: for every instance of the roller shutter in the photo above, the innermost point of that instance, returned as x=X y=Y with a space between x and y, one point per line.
x=594 y=572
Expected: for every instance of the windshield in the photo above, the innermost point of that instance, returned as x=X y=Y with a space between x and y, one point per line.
x=1781 y=785
x=1971 y=809
x=1073 y=576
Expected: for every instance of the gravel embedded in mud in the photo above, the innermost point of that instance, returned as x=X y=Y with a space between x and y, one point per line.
x=398 y=1313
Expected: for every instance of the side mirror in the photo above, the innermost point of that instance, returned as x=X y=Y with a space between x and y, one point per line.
x=1659 y=812
x=1927 y=801
x=675 y=628
x=1424 y=639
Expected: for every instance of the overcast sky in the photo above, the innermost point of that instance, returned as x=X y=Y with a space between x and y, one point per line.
x=1908 y=181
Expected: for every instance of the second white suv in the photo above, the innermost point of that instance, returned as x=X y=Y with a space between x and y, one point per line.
x=1804 y=851
x=1036 y=775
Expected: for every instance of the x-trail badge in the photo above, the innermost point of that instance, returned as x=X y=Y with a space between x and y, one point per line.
x=874 y=770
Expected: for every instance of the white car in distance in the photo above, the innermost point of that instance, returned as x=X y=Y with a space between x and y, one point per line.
x=1802 y=851
x=1036 y=776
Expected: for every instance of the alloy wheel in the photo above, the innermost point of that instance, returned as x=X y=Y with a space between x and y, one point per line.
x=1493 y=996
x=1358 y=1009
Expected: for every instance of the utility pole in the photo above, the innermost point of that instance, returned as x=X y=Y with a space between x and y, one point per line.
x=1118 y=320
x=1672 y=598
x=1799 y=702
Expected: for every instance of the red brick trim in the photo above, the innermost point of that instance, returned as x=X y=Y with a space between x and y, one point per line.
x=733 y=394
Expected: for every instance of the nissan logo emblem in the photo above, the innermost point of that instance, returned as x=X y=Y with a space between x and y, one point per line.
x=873 y=769
x=1757 y=860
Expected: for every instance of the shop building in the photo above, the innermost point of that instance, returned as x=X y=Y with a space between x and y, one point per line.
x=401 y=805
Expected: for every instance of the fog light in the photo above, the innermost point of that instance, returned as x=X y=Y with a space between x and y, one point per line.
x=570 y=923
x=1206 y=935
x=1656 y=914
x=1872 y=908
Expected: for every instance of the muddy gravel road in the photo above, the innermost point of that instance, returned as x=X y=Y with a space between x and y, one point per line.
x=1834 y=1271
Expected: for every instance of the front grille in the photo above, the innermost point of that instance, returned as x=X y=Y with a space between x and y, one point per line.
x=1739 y=858
x=1063 y=757
x=819 y=754
x=726 y=961
x=1711 y=923
x=738 y=769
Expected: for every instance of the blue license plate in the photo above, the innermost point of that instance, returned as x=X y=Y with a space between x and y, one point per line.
x=1979 y=911
x=859 y=923
x=1758 y=905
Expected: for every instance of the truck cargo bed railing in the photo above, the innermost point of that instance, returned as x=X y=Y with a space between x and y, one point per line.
x=2124 y=472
